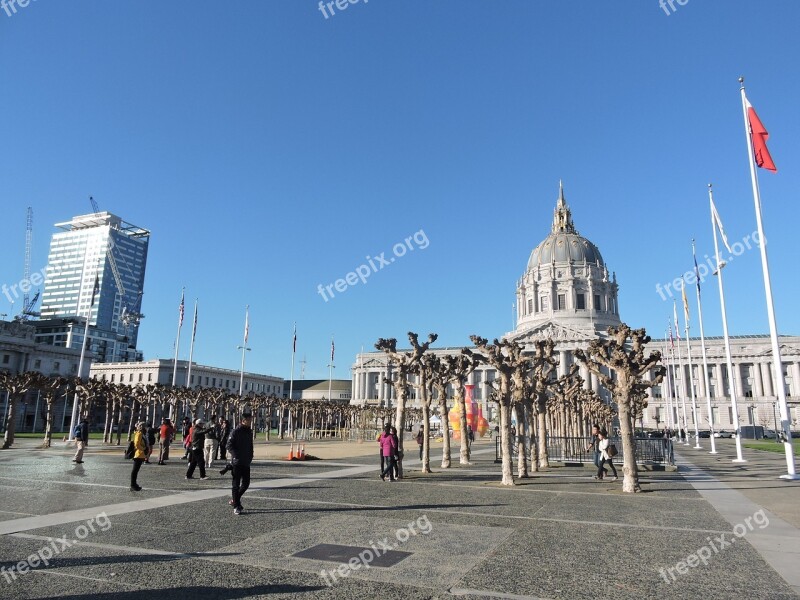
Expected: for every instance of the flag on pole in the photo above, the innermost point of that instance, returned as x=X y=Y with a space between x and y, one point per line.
x=759 y=137
x=696 y=270
x=294 y=340
x=718 y=224
x=685 y=301
x=194 y=325
x=332 y=350
x=181 y=309
x=671 y=339
x=675 y=315
x=246 y=323
x=95 y=289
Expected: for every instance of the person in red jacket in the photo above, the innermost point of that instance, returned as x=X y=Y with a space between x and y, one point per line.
x=165 y=435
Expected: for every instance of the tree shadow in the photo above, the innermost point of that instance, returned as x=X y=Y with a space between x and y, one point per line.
x=195 y=592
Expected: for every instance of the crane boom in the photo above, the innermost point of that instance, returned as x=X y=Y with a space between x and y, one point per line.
x=26 y=273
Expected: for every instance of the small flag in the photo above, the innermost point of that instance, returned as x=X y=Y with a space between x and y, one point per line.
x=671 y=339
x=181 y=309
x=246 y=323
x=685 y=301
x=95 y=289
x=675 y=315
x=718 y=223
x=294 y=340
x=194 y=325
x=759 y=137
x=332 y=350
x=696 y=271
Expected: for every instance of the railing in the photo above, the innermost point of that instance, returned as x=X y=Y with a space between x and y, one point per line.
x=573 y=450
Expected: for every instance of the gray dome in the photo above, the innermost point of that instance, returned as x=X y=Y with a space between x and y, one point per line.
x=565 y=247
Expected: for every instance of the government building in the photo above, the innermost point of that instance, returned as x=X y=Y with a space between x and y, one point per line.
x=568 y=294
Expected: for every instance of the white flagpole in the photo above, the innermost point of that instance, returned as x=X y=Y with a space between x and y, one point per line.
x=178 y=338
x=244 y=347
x=191 y=345
x=690 y=381
x=773 y=328
x=729 y=362
x=705 y=365
x=294 y=349
x=684 y=390
x=667 y=355
x=330 y=376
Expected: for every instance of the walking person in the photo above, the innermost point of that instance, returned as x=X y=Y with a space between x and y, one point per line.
x=605 y=457
x=240 y=447
x=224 y=434
x=211 y=444
x=594 y=441
x=420 y=440
x=165 y=434
x=139 y=456
x=198 y=438
x=186 y=433
x=82 y=438
x=151 y=441
x=398 y=454
x=387 y=429
x=388 y=452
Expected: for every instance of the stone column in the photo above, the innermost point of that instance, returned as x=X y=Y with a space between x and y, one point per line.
x=563 y=362
x=736 y=379
x=766 y=378
x=794 y=389
x=759 y=388
x=720 y=387
x=701 y=378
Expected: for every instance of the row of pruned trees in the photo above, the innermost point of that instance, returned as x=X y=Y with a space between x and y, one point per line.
x=527 y=387
x=123 y=405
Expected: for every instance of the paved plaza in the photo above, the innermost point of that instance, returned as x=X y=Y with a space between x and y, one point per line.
x=709 y=530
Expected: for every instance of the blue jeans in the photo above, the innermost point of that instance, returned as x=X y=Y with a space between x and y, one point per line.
x=597 y=458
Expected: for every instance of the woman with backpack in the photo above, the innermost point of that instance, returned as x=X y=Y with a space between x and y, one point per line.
x=605 y=456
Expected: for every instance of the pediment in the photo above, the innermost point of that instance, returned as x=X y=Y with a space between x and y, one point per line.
x=556 y=332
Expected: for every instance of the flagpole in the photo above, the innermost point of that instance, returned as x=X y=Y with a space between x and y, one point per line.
x=673 y=392
x=74 y=419
x=244 y=347
x=729 y=363
x=705 y=365
x=191 y=345
x=294 y=349
x=177 y=347
x=330 y=376
x=680 y=360
x=773 y=328
x=689 y=351
x=669 y=376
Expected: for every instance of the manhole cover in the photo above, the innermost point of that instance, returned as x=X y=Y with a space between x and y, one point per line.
x=343 y=554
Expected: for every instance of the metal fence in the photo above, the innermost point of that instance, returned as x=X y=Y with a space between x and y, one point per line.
x=573 y=450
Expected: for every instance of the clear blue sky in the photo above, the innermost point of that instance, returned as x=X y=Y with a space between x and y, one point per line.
x=270 y=150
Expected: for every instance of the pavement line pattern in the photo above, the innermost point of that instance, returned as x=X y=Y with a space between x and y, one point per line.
x=490 y=594
x=778 y=544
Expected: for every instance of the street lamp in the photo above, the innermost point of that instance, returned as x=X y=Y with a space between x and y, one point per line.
x=775 y=418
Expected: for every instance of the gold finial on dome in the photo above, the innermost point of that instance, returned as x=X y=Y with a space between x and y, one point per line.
x=562 y=217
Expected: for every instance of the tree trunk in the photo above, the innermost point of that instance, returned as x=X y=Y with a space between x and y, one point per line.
x=505 y=443
x=11 y=422
x=464 y=455
x=426 y=447
x=444 y=424
x=400 y=424
x=534 y=438
x=48 y=426
x=544 y=459
x=630 y=483
x=522 y=455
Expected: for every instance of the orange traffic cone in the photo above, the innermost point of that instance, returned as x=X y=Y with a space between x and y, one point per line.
x=302 y=452
x=291 y=451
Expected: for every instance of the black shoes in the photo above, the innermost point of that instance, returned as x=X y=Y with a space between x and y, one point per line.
x=136 y=488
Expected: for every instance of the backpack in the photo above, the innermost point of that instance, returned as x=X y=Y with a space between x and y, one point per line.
x=78 y=431
x=130 y=451
x=611 y=450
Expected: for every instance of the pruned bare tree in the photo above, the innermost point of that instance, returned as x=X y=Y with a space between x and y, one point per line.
x=543 y=366
x=623 y=354
x=459 y=368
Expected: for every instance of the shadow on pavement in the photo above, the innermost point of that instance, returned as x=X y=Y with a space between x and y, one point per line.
x=195 y=592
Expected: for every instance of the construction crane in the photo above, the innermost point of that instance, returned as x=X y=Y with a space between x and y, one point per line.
x=27 y=303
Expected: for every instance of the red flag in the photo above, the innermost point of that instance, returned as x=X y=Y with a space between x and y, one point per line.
x=759 y=137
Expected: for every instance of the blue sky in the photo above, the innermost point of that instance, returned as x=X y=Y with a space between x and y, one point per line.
x=271 y=150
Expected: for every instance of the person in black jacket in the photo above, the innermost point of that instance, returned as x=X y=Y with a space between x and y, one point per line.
x=196 y=450
x=240 y=446
x=224 y=434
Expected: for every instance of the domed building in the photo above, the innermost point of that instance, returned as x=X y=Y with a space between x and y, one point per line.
x=568 y=294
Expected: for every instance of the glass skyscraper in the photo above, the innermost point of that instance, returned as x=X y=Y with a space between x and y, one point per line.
x=96 y=257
